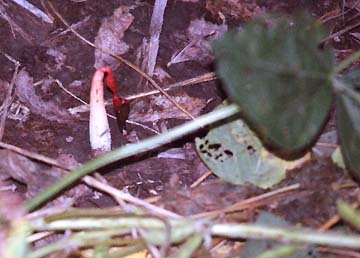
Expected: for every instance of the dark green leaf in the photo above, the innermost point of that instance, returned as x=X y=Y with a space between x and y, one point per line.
x=348 y=124
x=280 y=78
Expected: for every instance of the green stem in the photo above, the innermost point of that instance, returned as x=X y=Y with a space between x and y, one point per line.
x=189 y=247
x=295 y=235
x=341 y=88
x=279 y=252
x=349 y=214
x=84 y=239
x=130 y=150
x=127 y=251
x=347 y=62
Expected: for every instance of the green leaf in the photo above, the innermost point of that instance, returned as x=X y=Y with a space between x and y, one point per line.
x=16 y=244
x=348 y=124
x=280 y=78
x=236 y=155
x=337 y=158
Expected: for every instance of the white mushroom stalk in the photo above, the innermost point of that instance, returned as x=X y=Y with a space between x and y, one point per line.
x=99 y=130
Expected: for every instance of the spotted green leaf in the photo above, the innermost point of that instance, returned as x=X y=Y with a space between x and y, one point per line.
x=234 y=153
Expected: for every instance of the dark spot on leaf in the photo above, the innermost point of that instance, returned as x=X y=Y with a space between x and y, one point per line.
x=229 y=153
x=209 y=154
x=218 y=156
x=201 y=146
x=206 y=142
x=251 y=149
x=214 y=146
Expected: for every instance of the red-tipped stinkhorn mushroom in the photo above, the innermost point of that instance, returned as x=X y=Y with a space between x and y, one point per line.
x=121 y=105
x=100 y=136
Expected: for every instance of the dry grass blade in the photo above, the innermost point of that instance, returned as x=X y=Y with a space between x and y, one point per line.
x=341 y=32
x=338 y=251
x=35 y=156
x=155 y=30
x=201 y=179
x=330 y=16
x=34 y=10
x=128 y=63
x=7 y=101
x=119 y=195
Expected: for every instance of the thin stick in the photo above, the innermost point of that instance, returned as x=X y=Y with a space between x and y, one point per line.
x=14 y=26
x=7 y=101
x=117 y=194
x=334 y=220
x=251 y=202
x=36 y=156
x=337 y=251
x=339 y=33
x=199 y=79
x=128 y=63
x=326 y=18
x=201 y=179
x=59 y=83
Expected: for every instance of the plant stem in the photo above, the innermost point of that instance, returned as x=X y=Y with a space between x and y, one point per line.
x=341 y=88
x=182 y=228
x=130 y=150
x=294 y=235
x=83 y=239
x=347 y=62
x=189 y=247
x=123 y=222
x=279 y=252
x=349 y=214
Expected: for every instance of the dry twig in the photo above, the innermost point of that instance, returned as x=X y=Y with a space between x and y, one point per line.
x=196 y=80
x=252 y=202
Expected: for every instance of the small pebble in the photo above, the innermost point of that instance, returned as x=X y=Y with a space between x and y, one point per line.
x=69 y=139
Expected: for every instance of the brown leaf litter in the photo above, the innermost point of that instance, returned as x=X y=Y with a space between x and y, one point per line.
x=25 y=91
x=110 y=37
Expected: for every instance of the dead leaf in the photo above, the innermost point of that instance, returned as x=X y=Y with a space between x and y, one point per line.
x=162 y=108
x=200 y=33
x=48 y=109
x=110 y=37
x=173 y=153
x=36 y=176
